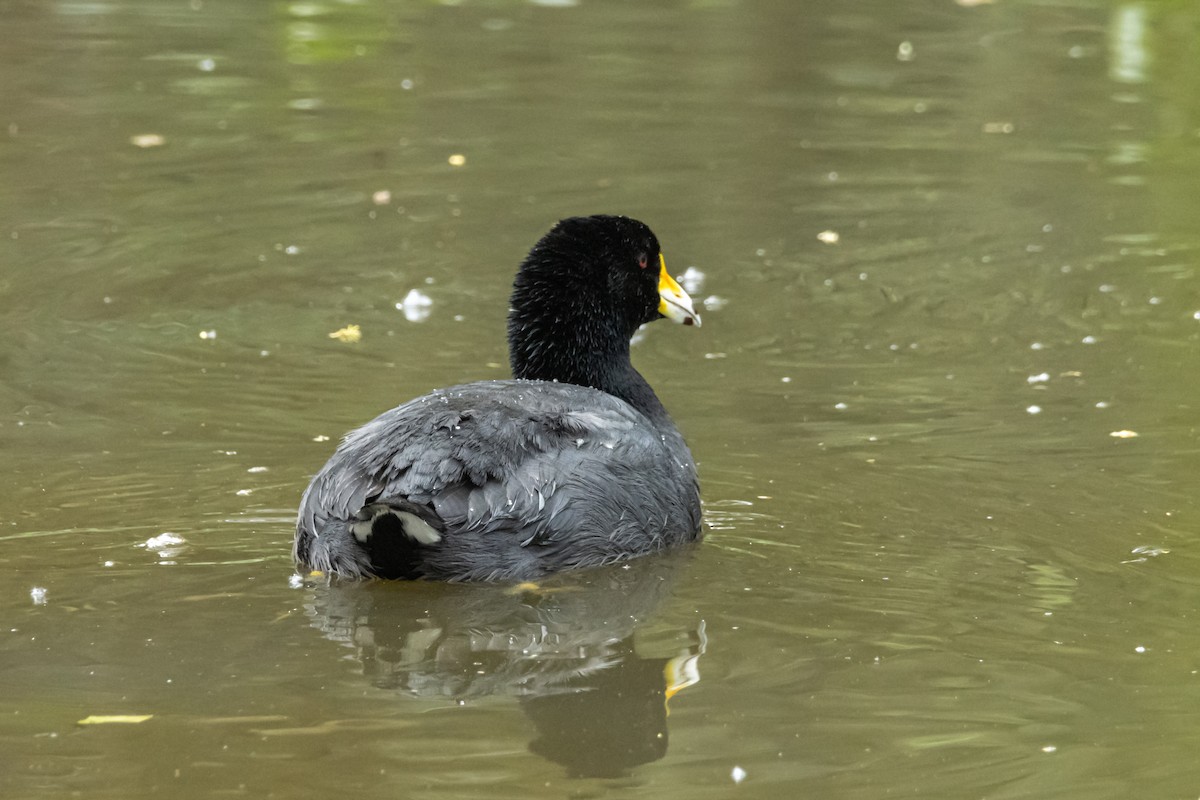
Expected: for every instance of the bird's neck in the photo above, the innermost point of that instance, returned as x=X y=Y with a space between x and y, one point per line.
x=602 y=364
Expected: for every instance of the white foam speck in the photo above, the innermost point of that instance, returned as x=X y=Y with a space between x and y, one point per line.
x=415 y=305
x=167 y=539
x=691 y=280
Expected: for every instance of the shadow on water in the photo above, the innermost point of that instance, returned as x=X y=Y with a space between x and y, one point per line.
x=565 y=649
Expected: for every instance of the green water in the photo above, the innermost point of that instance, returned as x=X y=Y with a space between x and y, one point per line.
x=947 y=251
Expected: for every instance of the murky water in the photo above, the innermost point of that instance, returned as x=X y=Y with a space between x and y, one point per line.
x=944 y=399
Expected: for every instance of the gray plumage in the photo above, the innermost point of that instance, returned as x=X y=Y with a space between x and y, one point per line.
x=507 y=480
x=522 y=477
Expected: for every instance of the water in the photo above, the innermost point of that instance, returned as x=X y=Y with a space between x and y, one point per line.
x=950 y=251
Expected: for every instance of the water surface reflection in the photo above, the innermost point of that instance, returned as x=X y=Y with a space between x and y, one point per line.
x=565 y=649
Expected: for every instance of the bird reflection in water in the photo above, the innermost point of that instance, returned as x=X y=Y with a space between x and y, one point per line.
x=565 y=649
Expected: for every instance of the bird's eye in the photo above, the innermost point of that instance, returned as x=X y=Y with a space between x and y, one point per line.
x=643 y=262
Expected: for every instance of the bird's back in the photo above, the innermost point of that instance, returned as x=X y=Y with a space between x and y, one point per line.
x=499 y=480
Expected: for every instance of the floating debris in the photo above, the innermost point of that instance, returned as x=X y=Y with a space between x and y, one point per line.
x=1145 y=552
x=382 y=197
x=1124 y=434
x=145 y=140
x=829 y=237
x=114 y=719
x=1039 y=378
x=737 y=774
x=320 y=437
x=457 y=160
x=210 y=334
x=350 y=333
x=38 y=595
x=1033 y=410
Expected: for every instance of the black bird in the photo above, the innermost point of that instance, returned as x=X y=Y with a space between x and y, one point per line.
x=575 y=463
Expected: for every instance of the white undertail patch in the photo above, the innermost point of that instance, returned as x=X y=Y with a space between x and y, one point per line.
x=414 y=527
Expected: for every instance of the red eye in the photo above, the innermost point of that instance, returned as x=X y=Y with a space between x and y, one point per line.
x=643 y=262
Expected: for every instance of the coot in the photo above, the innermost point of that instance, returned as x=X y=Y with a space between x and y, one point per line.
x=574 y=463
